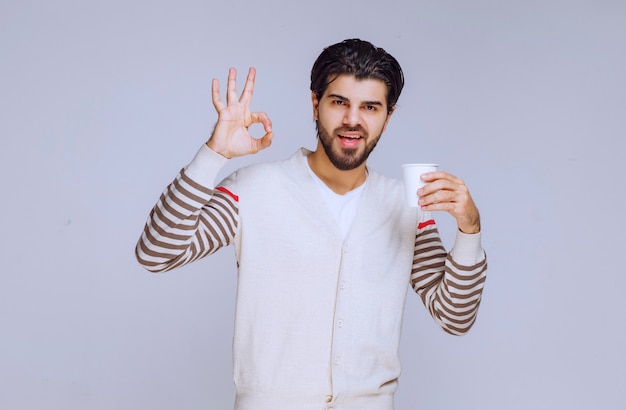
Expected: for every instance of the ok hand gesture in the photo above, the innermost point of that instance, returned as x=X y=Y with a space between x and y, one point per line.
x=231 y=137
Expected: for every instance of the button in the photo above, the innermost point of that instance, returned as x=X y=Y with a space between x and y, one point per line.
x=329 y=398
x=342 y=285
x=337 y=360
x=340 y=323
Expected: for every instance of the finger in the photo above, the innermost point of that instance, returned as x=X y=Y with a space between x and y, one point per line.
x=434 y=186
x=266 y=140
x=447 y=207
x=258 y=144
x=231 y=92
x=246 y=94
x=261 y=117
x=437 y=197
x=432 y=176
x=217 y=100
x=441 y=181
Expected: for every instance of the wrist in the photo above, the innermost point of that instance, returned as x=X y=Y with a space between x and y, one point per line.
x=213 y=147
x=470 y=223
x=469 y=227
x=470 y=231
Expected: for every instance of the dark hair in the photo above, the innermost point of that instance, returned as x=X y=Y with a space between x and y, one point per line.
x=362 y=60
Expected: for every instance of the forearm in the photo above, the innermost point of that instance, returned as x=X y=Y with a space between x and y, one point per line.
x=455 y=303
x=450 y=285
x=190 y=220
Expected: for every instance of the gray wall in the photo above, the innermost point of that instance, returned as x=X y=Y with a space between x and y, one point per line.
x=101 y=103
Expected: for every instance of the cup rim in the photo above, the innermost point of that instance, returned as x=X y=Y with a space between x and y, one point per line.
x=420 y=165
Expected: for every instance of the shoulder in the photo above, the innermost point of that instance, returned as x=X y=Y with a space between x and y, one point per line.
x=260 y=173
x=385 y=183
x=387 y=193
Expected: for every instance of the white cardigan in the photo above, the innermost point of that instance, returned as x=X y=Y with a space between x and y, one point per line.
x=318 y=318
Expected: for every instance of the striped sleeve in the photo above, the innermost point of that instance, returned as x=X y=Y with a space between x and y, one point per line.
x=188 y=222
x=450 y=291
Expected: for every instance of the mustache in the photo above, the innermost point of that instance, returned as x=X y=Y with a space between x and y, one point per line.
x=345 y=128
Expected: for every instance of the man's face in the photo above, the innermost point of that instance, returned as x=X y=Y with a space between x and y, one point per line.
x=351 y=116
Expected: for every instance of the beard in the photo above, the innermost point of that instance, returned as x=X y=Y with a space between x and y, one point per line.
x=343 y=158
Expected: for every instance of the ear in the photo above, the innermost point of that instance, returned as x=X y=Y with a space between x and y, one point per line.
x=315 y=104
x=391 y=111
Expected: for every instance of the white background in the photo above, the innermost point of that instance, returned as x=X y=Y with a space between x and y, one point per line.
x=101 y=103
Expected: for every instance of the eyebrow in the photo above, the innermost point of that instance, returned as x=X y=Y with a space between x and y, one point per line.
x=342 y=98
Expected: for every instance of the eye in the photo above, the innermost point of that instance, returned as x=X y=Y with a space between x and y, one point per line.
x=370 y=107
x=339 y=102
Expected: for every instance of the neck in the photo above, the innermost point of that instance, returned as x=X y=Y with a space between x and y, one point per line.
x=337 y=180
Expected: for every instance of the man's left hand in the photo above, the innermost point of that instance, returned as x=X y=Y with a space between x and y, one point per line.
x=445 y=192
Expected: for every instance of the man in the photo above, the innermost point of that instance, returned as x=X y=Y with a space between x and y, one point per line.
x=326 y=248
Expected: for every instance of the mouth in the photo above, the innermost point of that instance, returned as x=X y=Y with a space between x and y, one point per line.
x=350 y=140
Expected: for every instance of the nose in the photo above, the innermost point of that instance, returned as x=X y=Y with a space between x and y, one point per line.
x=351 y=116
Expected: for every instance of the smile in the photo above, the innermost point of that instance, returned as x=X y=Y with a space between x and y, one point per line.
x=349 y=140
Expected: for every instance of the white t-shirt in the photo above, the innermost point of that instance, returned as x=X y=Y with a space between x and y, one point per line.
x=343 y=207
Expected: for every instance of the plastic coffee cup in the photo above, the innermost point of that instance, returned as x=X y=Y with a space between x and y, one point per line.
x=413 y=182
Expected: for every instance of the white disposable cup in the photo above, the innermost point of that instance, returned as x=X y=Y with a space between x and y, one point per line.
x=413 y=182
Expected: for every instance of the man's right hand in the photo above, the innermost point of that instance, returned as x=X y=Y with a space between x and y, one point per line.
x=231 y=137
